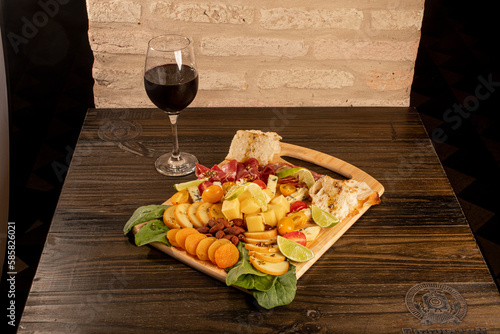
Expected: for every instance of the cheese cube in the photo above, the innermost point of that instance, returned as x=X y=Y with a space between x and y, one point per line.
x=269 y=194
x=246 y=194
x=254 y=223
x=279 y=211
x=231 y=209
x=249 y=206
x=269 y=218
x=281 y=200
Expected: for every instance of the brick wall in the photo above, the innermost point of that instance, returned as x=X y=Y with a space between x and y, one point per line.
x=263 y=52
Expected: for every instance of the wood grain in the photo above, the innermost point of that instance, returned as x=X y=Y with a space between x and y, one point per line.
x=93 y=279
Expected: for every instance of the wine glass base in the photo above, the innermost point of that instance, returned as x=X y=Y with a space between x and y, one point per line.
x=169 y=167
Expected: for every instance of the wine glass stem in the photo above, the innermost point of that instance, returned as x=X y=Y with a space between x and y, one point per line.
x=175 y=150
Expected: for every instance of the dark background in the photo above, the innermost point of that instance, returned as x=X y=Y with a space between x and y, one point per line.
x=50 y=88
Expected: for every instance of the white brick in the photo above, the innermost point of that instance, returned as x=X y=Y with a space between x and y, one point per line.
x=118 y=79
x=203 y=12
x=215 y=80
x=114 y=11
x=305 y=78
x=386 y=81
x=396 y=19
x=365 y=49
x=247 y=46
x=120 y=41
x=302 y=18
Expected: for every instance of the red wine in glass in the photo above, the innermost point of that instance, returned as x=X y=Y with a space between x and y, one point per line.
x=171 y=82
x=170 y=87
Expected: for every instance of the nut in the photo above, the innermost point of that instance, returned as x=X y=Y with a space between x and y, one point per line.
x=216 y=227
x=203 y=229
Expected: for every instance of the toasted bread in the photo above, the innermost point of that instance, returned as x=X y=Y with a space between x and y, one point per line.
x=254 y=144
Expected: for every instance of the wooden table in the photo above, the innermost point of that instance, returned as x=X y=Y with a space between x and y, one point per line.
x=416 y=246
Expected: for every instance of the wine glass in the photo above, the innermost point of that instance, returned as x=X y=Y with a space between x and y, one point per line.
x=171 y=82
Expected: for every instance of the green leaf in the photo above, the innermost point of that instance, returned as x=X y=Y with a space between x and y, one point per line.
x=281 y=293
x=243 y=274
x=153 y=231
x=144 y=214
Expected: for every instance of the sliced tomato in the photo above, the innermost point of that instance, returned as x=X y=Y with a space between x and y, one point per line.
x=297 y=206
x=180 y=197
x=227 y=185
x=299 y=219
x=260 y=183
x=212 y=194
x=287 y=189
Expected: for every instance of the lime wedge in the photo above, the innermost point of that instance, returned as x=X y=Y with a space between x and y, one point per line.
x=288 y=172
x=323 y=218
x=193 y=183
x=294 y=251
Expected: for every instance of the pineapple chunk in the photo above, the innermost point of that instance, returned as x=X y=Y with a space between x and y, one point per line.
x=231 y=209
x=255 y=223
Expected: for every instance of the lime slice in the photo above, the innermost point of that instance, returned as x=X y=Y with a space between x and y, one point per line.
x=323 y=218
x=193 y=183
x=258 y=194
x=305 y=175
x=234 y=192
x=288 y=172
x=255 y=191
x=294 y=251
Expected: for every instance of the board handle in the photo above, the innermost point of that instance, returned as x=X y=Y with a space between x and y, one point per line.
x=334 y=164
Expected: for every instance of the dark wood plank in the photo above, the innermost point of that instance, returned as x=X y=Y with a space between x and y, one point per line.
x=91 y=278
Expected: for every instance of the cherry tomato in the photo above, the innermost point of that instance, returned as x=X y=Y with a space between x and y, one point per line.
x=260 y=183
x=299 y=220
x=212 y=194
x=227 y=185
x=285 y=225
x=204 y=185
x=297 y=206
x=287 y=189
x=180 y=197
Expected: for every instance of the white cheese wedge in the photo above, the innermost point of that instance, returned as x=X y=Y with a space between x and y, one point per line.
x=194 y=193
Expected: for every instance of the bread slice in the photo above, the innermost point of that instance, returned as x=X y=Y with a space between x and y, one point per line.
x=342 y=198
x=254 y=144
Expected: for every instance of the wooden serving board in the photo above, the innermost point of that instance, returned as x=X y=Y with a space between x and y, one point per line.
x=326 y=238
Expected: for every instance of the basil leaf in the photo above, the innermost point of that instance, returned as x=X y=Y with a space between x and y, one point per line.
x=144 y=214
x=282 y=292
x=153 y=231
